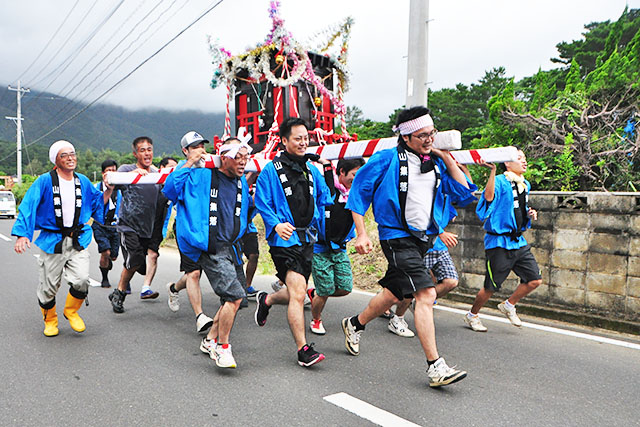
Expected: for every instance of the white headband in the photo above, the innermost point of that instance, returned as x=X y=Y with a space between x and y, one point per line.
x=56 y=147
x=231 y=150
x=407 y=128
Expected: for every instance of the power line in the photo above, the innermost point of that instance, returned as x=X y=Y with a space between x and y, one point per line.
x=96 y=81
x=84 y=44
x=206 y=12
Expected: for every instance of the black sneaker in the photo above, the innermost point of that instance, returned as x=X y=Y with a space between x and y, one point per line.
x=105 y=283
x=307 y=356
x=262 y=309
x=117 y=300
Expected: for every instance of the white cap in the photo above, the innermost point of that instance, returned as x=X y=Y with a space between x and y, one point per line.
x=56 y=147
x=192 y=138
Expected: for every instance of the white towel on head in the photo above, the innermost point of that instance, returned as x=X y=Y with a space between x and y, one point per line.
x=56 y=147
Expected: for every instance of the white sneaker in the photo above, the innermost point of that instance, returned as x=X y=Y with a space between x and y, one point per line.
x=224 y=357
x=317 y=327
x=174 y=298
x=203 y=323
x=440 y=374
x=474 y=323
x=277 y=285
x=399 y=326
x=208 y=347
x=511 y=314
x=351 y=337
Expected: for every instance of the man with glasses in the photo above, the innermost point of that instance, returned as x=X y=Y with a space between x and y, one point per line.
x=290 y=196
x=60 y=204
x=213 y=206
x=407 y=186
x=135 y=222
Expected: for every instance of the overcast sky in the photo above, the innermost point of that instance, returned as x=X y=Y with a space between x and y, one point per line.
x=466 y=37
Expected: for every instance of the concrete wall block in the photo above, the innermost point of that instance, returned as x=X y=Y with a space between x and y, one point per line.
x=572 y=220
x=569 y=296
x=544 y=239
x=573 y=240
x=606 y=301
x=457 y=250
x=606 y=283
x=473 y=249
x=634 y=224
x=634 y=246
x=471 y=281
x=545 y=220
x=470 y=232
x=609 y=243
x=541 y=294
x=634 y=266
x=633 y=287
x=542 y=202
x=543 y=256
x=609 y=203
x=567 y=278
x=633 y=308
x=609 y=222
x=473 y=265
x=569 y=260
x=607 y=263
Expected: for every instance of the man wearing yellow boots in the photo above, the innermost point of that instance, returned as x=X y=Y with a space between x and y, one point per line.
x=60 y=204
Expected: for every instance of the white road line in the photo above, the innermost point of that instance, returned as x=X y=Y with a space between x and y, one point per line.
x=5 y=238
x=94 y=283
x=368 y=411
x=566 y=332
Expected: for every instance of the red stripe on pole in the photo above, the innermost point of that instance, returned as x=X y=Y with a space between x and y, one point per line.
x=343 y=150
x=319 y=150
x=163 y=178
x=371 y=146
x=257 y=164
x=136 y=179
x=475 y=156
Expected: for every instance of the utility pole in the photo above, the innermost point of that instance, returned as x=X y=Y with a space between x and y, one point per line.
x=417 y=54
x=20 y=91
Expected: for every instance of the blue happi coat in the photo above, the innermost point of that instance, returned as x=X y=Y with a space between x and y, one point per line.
x=188 y=189
x=499 y=218
x=377 y=183
x=36 y=213
x=271 y=204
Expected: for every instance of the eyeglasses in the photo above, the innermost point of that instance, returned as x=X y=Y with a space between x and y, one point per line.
x=241 y=158
x=425 y=136
x=65 y=156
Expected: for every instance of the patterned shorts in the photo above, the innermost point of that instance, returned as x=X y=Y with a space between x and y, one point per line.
x=441 y=264
x=331 y=271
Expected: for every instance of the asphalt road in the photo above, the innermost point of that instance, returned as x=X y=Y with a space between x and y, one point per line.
x=144 y=367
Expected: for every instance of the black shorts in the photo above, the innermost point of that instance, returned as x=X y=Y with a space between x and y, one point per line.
x=107 y=239
x=500 y=262
x=156 y=238
x=249 y=244
x=294 y=258
x=187 y=265
x=134 y=250
x=406 y=272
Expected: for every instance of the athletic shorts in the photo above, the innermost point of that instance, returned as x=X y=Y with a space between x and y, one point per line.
x=187 y=265
x=225 y=276
x=294 y=258
x=134 y=250
x=249 y=243
x=441 y=264
x=331 y=271
x=406 y=272
x=107 y=238
x=500 y=262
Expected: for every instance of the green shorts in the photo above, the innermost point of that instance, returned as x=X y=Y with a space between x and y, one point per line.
x=331 y=271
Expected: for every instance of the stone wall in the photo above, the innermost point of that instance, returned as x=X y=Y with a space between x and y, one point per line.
x=587 y=245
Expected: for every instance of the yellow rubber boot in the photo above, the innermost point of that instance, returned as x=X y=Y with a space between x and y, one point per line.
x=50 y=321
x=71 y=308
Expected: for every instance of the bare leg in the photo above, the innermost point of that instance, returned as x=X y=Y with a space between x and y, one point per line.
x=425 y=327
x=125 y=278
x=278 y=298
x=223 y=321
x=446 y=286
x=481 y=299
x=523 y=290
x=403 y=306
x=191 y=281
x=378 y=305
x=319 y=301
x=296 y=287
x=104 y=258
x=252 y=265
x=152 y=266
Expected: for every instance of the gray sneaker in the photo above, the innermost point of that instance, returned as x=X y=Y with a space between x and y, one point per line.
x=440 y=374
x=351 y=337
x=174 y=298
